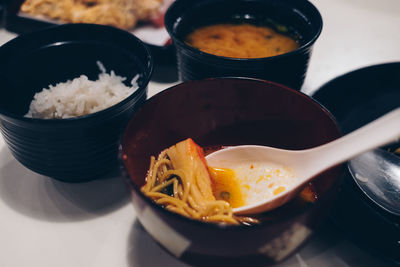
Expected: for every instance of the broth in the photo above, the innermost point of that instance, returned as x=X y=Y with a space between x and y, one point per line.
x=241 y=41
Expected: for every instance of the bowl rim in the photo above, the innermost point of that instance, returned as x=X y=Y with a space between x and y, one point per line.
x=198 y=52
x=240 y=227
x=148 y=66
x=344 y=77
x=349 y=74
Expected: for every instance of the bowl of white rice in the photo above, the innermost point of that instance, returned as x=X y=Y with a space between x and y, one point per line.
x=67 y=94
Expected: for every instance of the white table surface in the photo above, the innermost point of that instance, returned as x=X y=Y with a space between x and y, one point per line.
x=46 y=223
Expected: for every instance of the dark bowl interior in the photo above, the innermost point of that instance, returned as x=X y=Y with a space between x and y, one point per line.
x=301 y=18
x=78 y=148
x=164 y=56
x=355 y=99
x=229 y=111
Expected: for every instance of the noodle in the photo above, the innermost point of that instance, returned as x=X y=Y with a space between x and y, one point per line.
x=185 y=191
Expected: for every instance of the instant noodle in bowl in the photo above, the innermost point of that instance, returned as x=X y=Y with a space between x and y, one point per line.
x=216 y=113
x=181 y=181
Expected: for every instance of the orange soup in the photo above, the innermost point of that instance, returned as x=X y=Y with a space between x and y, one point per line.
x=241 y=41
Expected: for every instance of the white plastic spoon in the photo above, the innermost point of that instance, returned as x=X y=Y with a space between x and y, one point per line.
x=306 y=164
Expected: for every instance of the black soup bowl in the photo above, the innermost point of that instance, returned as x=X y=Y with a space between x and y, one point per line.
x=296 y=18
x=223 y=112
x=79 y=148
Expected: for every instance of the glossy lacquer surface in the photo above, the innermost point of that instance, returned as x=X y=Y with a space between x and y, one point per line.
x=229 y=112
x=300 y=18
x=74 y=149
x=365 y=94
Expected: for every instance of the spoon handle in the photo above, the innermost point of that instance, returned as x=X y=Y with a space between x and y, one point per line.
x=382 y=131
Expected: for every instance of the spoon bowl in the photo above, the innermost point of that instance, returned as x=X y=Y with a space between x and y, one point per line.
x=306 y=164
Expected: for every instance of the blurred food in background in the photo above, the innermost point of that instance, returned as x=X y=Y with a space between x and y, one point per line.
x=124 y=14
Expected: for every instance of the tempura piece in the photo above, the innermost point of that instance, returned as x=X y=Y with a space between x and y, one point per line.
x=179 y=181
x=53 y=9
x=123 y=14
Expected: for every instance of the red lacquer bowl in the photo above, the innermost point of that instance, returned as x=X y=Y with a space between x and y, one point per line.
x=229 y=111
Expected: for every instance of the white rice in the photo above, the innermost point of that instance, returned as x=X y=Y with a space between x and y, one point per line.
x=80 y=96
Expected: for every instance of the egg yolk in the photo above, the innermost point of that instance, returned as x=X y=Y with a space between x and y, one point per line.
x=226 y=186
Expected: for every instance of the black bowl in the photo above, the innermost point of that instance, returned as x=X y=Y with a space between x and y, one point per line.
x=300 y=17
x=74 y=149
x=355 y=99
x=229 y=111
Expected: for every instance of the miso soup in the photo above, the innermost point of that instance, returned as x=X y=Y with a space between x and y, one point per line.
x=241 y=41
